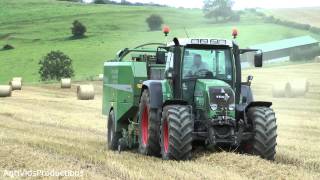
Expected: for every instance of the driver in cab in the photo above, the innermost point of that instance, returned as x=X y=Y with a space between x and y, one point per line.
x=198 y=65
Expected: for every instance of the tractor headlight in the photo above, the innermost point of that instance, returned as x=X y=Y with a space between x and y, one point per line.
x=232 y=107
x=214 y=107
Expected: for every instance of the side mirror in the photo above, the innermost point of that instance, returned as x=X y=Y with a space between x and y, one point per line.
x=161 y=57
x=258 y=60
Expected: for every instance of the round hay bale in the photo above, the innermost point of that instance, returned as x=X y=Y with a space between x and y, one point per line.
x=85 y=92
x=17 y=79
x=16 y=85
x=296 y=88
x=66 y=83
x=100 y=77
x=279 y=89
x=317 y=59
x=308 y=84
x=5 y=91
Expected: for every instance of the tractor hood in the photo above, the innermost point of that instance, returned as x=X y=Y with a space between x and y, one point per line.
x=216 y=96
x=212 y=83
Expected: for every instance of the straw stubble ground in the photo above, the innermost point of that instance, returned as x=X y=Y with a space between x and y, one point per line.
x=47 y=128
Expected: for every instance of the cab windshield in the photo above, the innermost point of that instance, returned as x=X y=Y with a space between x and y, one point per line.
x=207 y=64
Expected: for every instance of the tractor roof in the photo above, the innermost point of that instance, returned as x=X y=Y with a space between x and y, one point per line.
x=202 y=41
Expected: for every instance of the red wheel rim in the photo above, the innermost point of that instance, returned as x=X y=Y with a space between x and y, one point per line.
x=145 y=125
x=165 y=136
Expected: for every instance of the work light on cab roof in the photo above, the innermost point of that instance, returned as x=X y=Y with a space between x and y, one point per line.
x=235 y=33
x=166 y=30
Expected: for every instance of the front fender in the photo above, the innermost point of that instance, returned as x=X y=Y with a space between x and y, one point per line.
x=259 y=104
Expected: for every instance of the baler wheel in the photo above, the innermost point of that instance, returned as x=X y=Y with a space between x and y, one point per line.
x=113 y=136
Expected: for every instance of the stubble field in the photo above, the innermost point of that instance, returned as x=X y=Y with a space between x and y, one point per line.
x=46 y=128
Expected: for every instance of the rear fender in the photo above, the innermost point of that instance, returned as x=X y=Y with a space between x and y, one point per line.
x=155 y=92
x=246 y=99
x=242 y=109
x=246 y=94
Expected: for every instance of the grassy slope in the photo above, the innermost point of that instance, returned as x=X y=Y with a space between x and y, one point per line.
x=300 y=15
x=36 y=27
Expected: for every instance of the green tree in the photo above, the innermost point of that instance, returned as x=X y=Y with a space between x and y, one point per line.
x=7 y=47
x=218 y=8
x=154 y=22
x=99 y=2
x=55 y=65
x=78 y=30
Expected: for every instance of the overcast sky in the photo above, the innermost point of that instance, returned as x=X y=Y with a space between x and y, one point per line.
x=239 y=4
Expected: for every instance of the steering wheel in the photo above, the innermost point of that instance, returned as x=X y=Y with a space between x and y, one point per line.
x=204 y=73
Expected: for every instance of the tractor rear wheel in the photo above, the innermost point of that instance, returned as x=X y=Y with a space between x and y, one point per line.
x=149 y=122
x=113 y=136
x=264 y=128
x=176 y=133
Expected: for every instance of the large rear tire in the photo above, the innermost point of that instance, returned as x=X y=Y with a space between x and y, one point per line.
x=149 y=122
x=176 y=133
x=264 y=128
x=113 y=136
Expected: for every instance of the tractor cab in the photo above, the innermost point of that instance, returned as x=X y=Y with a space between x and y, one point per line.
x=200 y=59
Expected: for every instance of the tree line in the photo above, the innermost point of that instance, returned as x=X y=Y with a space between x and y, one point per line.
x=122 y=2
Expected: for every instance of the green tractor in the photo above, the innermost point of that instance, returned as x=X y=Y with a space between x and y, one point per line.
x=164 y=98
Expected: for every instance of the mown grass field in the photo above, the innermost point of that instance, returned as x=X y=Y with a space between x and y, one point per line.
x=44 y=127
x=35 y=27
x=300 y=15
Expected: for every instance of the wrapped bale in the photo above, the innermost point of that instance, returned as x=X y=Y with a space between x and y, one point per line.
x=85 y=92
x=279 y=89
x=100 y=77
x=66 y=83
x=296 y=88
x=16 y=85
x=5 y=91
x=317 y=59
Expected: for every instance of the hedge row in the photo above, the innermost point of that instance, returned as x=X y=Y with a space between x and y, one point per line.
x=307 y=27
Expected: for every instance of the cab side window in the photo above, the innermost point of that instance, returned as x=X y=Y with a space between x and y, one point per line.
x=169 y=61
x=221 y=62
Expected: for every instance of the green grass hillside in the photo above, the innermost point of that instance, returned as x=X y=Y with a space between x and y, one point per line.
x=35 y=27
x=300 y=15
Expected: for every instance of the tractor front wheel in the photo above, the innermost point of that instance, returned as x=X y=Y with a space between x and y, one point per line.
x=176 y=133
x=264 y=127
x=149 y=122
